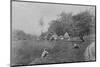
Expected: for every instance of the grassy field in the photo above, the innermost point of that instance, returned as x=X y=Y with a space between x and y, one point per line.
x=29 y=51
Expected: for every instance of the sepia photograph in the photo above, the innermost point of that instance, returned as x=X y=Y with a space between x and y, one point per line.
x=52 y=33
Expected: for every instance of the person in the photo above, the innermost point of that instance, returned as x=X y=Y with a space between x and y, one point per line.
x=76 y=45
x=49 y=36
x=54 y=37
x=44 y=53
x=66 y=36
x=89 y=53
x=61 y=37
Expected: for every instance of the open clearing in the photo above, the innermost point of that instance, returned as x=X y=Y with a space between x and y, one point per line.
x=29 y=51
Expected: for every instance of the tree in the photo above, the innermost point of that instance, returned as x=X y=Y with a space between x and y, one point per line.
x=18 y=35
x=66 y=19
x=61 y=25
x=83 y=24
x=76 y=25
x=21 y=35
x=56 y=27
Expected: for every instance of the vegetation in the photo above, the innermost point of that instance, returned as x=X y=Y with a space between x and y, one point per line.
x=83 y=24
x=80 y=24
x=27 y=50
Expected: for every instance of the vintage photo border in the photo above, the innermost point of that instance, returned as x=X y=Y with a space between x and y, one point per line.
x=47 y=3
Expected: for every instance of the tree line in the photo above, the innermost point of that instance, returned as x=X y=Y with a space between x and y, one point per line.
x=79 y=25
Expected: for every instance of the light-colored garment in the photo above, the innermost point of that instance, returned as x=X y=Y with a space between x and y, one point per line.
x=66 y=35
x=54 y=37
x=90 y=52
x=44 y=54
x=61 y=37
x=76 y=45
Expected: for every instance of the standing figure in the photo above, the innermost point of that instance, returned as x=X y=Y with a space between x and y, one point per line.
x=66 y=36
x=89 y=53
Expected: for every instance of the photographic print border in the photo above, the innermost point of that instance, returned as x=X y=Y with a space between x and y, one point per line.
x=47 y=3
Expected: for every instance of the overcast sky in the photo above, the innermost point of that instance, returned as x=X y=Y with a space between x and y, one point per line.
x=25 y=15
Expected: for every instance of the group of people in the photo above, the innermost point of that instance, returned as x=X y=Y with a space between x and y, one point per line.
x=53 y=36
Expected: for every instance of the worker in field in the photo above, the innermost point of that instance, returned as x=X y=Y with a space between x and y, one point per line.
x=76 y=45
x=44 y=53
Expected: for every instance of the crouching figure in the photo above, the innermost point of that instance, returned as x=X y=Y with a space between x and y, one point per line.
x=76 y=45
x=44 y=53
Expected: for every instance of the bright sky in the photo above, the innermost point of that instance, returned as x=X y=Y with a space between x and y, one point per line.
x=26 y=16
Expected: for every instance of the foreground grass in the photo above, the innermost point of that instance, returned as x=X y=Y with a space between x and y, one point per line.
x=29 y=51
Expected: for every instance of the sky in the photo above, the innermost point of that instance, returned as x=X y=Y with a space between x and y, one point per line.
x=26 y=16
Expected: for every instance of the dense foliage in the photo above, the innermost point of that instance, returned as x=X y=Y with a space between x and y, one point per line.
x=79 y=24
